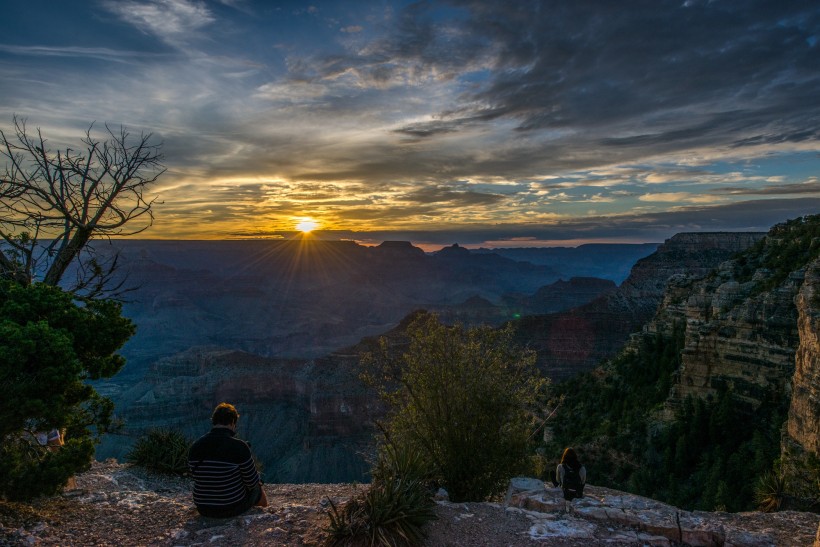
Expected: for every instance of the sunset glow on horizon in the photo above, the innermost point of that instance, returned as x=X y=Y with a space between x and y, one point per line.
x=307 y=225
x=485 y=123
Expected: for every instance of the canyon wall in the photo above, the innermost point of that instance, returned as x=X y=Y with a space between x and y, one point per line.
x=752 y=329
x=801 y=443
x=738 y=338
x=577 y=340
x=804 y=413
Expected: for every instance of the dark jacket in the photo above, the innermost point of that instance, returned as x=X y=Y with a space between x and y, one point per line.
x=224 y=473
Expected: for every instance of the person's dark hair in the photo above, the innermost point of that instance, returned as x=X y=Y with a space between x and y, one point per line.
x=224 y=414
x=570 y=458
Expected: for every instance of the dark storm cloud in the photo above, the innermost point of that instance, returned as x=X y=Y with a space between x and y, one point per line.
x=647 y=74
x=453 y=197
x=812 y=187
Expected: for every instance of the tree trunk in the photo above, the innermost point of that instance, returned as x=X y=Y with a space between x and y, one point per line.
x=66 y=255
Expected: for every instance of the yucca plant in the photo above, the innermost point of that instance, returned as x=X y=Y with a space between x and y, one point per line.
x=770 y=491
x=394 y=510
x=161 y=451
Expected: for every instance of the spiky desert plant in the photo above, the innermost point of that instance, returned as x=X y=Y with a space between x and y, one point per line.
x=394 y=510
x=770 y=491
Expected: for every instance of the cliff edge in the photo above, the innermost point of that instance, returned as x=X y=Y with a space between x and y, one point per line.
x=122 y=505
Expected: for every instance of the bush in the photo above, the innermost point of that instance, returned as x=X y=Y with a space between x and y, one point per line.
x=394 y=509
x=464 y=399
x=161 y=451
x=31 y=470
x=50 y=344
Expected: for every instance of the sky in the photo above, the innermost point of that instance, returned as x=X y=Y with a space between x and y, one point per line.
x=487 y=123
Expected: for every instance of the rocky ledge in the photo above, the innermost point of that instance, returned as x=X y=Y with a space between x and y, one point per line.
x=116 y=504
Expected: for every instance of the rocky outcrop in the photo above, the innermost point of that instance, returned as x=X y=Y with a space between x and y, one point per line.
x=126 y=506
x=742 y=326
x=577 y=340
x=738 y=339
x=800 y=447
x=803 y=424
x=635 y=520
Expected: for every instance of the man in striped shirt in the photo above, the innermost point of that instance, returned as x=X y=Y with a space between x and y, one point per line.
x=226 y=482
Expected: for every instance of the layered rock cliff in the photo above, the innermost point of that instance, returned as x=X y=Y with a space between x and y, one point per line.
x=576 y=340
x=801 y=443
x=751 y=330
x=742 y=321
x=738 y=339
x=692 y=411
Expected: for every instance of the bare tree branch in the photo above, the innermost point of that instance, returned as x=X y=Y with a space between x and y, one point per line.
x=53 y=203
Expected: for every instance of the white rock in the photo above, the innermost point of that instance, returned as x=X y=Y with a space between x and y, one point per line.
x=570 y=528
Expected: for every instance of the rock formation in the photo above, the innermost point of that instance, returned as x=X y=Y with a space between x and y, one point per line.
x=804 y=413
x=738 y=339
x=576 y=340
x=126 y=506
x=801 y=443
x=742 y=327
x=752 y=329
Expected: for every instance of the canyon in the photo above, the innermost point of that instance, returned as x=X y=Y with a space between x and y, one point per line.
x=312 y=420
x=306 y=298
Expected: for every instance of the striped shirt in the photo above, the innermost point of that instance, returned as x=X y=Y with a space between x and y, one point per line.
x=223 y=470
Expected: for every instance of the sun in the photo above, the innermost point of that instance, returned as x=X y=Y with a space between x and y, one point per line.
x=306 y=225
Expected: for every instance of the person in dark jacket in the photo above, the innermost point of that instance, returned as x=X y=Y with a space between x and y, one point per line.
x=226 y=482
x=571 y=475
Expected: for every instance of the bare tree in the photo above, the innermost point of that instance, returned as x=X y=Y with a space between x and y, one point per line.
x=53 y=203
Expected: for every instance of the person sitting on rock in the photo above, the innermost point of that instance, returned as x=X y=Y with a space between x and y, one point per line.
x=571 y=475
x=226 y=482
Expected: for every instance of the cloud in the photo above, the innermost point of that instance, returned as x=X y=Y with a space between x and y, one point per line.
x=808 y=187
x=166 y=19
x=678 y=197
x=385 y=114
x=627 y=77
x=437 y=195
x=104 y=54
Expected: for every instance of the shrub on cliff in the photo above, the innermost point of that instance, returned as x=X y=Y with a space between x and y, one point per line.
x=464 y=399
x=161 y=451
x=394 y=509
x=50 y=344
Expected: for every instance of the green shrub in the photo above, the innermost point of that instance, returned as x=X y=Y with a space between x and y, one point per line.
x=394 y=510
x=465 y=399
x=161 y=451
x=31 y=470
x=50 y=344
